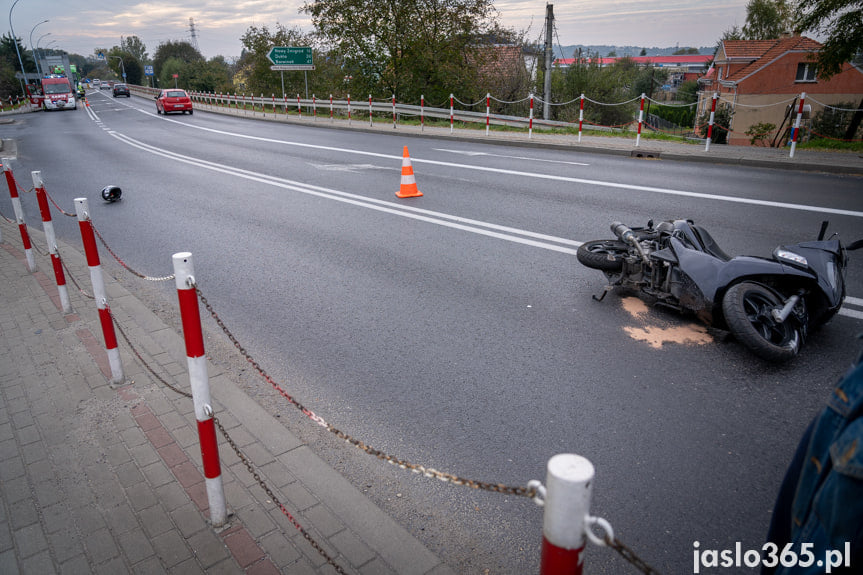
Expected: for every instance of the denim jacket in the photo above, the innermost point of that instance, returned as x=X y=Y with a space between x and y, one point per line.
x=827 y=481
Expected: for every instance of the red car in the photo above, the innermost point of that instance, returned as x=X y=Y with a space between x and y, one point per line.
x=173 y=100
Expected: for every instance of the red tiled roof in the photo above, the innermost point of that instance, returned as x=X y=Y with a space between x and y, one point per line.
x=762 y=52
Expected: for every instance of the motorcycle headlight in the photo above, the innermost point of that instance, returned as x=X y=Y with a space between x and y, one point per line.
x=791 y=258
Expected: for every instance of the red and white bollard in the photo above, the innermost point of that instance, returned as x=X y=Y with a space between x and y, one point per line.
x=640 y=120
x=422 y=112
x=394 y=111
x=349 y=109
x=370 y=110
x=190 y=315
x=451 y=107
x=567 y=520
x=299 y=108
x=710 y=122
x=487 y=112
x=51 y=238
x=92 y=252
x=19 y=213
x=796 y=133
x=580 y=116
x=530 y=123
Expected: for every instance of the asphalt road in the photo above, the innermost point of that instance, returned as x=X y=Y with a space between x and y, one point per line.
x=457 y=330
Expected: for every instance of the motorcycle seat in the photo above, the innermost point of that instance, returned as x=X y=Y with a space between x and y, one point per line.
x=710 y=245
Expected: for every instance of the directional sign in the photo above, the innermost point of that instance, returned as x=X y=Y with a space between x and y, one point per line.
x=291 y=58
x=148 y=70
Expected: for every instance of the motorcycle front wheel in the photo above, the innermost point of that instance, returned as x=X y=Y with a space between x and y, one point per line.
x=605 y=255
x=747 y=307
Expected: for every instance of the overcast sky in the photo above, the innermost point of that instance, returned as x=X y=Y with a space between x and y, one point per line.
x=80 y=26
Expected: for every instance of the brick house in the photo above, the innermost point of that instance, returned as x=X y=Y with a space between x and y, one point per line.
x=760 y=80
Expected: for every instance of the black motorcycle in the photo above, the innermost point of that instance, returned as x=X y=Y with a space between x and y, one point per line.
x=768 y=304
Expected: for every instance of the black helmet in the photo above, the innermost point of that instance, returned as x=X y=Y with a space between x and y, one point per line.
x=111 y=193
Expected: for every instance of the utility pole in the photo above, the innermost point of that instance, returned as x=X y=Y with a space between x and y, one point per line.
x=549 y=32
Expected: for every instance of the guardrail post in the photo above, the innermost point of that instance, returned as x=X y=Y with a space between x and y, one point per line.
x=580 y=116
x=50 y=237
x=710 y=122
x=19 y=213
x=190 y=316
x=99 y=294
x=796 y=131
x=569 y=486
x=640 y=120
x=451 y=106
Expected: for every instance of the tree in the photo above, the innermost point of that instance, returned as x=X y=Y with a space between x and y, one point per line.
x=411 y=47
x=133 y=46
x=767 y=19
x=179 y=50
x=841 y=21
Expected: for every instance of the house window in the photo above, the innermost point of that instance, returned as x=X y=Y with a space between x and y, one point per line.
x=805 y=72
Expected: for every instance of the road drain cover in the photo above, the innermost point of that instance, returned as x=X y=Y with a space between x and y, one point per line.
x=645 y=154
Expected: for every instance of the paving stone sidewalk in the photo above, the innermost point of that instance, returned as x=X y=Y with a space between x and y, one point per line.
x=96 y=478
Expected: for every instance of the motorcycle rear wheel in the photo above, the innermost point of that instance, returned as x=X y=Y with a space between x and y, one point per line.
x=605 y=255
x=747 y=307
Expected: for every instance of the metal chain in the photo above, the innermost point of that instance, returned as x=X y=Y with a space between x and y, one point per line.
x=56 y=205
x=529 y=492
x=245 y=460
x=146 y=365
x=630 y=556
x=125 y=266
x=74 y=281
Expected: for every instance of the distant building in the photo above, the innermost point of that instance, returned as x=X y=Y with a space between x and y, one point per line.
x=760 y=79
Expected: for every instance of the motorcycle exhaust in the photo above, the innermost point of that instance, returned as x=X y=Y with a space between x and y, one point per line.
x=626 y=235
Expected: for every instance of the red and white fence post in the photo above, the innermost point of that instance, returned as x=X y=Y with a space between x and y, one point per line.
x=530 y=122
x=580 y=116
x=184 y=273
x=370 y=110
x=19 y=213
x=299 y=108
x=796 y=133
x=394 y=112
x=349 y=109
x=422 y=112
x=566 y=520
x=88 y=237
x=640 y=120
x=331 y=107
x=487 y=112
x=314 y=108
x=710 y=122
x=51 y=238
x=451 y=107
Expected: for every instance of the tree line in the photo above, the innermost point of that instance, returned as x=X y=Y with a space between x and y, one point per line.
x=431 y=48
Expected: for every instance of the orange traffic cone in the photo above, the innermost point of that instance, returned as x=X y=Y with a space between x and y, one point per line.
x=409 y=184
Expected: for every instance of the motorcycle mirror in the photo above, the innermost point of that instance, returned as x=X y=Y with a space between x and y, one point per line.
x=823 y=231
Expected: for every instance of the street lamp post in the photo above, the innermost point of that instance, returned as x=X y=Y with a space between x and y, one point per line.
x=38 y=68
x=15 y=39
x=122 y=67
x=37 y=45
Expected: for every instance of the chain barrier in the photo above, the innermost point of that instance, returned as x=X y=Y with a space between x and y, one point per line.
x=125 y=266
x=263 y=485
x=245 y=460
x=2 y=215
x=629 y=555
x=56 y=205
x=429 y=472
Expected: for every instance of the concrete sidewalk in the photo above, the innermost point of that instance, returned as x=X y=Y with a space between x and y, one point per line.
x=103 y=479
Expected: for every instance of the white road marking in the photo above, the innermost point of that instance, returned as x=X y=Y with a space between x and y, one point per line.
x=474 y=154
x=597 y=183
x=457 y=222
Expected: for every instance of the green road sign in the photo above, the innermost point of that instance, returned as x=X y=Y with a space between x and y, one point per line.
x=291 y=58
